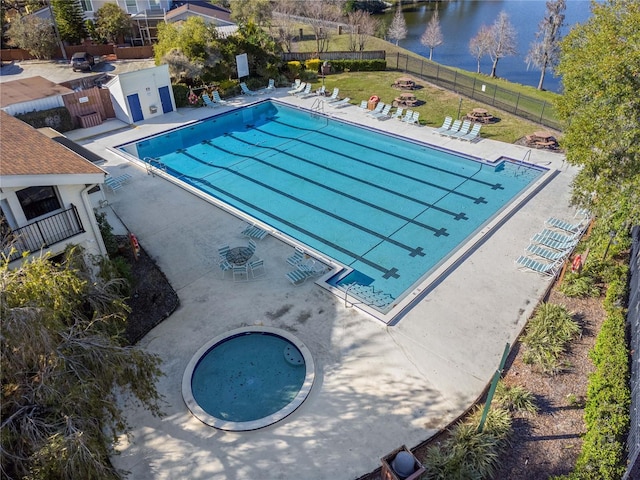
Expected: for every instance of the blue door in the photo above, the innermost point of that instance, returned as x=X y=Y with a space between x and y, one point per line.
x=134 y=107
x=165 y=98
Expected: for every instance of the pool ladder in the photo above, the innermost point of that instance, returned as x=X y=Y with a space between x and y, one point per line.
x=153 y=165
x=521 y=164
x=318 y=105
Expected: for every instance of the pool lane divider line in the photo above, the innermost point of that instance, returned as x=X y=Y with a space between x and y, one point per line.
x=494 y=186
x=476 y=200
x=456 y=216
x=392 y=272
x=437 y=231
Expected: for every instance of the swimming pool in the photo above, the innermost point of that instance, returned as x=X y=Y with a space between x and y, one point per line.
x=248 y=378
x=388 y=210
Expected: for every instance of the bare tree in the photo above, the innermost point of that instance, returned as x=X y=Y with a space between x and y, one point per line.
x=283 y=22
x=432 y=36
x=361 y=26
x=503 y=41
x=182 y=69
x=479 y=45
x=318 y=15
x=398 y=28
x=544 y=53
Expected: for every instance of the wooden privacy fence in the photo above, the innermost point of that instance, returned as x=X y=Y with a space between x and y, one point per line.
x=18 y=54
x=89 y=107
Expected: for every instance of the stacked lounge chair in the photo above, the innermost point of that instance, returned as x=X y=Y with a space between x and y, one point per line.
x=454 y=128
x=297 y=89
x=464 y=129
x=473 y=134
x=342 y=103
x=547 y=269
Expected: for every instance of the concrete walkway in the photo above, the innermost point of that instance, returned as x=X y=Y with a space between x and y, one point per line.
x=376 y=386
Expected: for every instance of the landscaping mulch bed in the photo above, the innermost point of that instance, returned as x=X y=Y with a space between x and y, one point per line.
x=546 y=443
x=152 y=297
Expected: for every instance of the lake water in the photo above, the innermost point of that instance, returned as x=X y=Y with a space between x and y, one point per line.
x=460 y=21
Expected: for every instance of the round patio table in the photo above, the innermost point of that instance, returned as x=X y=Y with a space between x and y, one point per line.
x=239 y=255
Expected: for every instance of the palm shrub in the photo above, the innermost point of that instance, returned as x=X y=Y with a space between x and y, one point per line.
x=580 y=285
x=515 y=398
x=547 y=335
x=468 y=453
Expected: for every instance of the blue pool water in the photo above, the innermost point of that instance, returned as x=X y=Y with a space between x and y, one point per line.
x=390 y=209
x=248 y=377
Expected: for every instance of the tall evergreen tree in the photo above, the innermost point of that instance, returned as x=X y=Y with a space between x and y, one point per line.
x=600 y=68
x=69 y=17
x=544 y=53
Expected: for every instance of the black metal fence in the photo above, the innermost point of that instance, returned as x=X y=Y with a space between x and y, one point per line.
x=507 y=100
x=633 y=322
x=44 y=233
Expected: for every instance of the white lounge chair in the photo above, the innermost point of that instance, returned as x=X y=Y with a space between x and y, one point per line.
x=473 y=134
x=306 y=91
x=115 y=183
x=240 y=273
x=464 y=129
x=454 y=128
x=207 y=101
x=334 y=96
x=271 y=85
x=342 y=103
x=297 y=89
x=363 y=105
x=224 y=266
x=384 y=114
x=559 y=237
x=377 y=110
x=414 y=119
x=547 y=254
x=407 y=116
x=398 y=113
x=218 y=99
x=321 y=91
x=565 y=226
x=246 y=90
x=549 y=242
x=446 y=125
x=548 y=269
x=253 y=231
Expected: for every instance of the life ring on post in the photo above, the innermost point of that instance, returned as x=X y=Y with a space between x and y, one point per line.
x=374 y=99
x=576 y=265
x=193 y=98
x=135 y=246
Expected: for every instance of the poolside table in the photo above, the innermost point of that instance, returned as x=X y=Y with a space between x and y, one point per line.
x=542 y=139
x=405 y=100
x=405 y=83
x=239 y=255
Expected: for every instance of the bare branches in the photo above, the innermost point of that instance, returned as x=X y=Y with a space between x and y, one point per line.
x=480 y=44
x=544 y=53
x=432 y=36
x=398 y=28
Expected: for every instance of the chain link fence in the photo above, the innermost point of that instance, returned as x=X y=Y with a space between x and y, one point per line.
x=633 y=322
x=524 y=106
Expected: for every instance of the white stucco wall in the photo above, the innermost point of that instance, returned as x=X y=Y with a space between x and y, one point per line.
x=34 y=105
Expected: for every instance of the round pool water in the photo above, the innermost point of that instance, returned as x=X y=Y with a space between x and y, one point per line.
x=248 y=378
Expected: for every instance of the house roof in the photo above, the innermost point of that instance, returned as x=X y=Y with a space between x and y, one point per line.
x=202 y=9
x=26 y=151
x=29 y=89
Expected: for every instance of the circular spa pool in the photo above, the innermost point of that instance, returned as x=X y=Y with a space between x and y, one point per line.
x=248 y=378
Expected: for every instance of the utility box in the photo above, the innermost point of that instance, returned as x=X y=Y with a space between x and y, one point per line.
x=401 y=464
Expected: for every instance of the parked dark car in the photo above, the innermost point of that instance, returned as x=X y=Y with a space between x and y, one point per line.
x=82 y=61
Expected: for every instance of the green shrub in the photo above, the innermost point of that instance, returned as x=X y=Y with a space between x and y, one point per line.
x=106 y=230
x=117 y=273
x=579 y=285
x=515 y=398
x=467 y=453
x=547 y=335
x=57 y=118
x=339 y=66
x=180 y=94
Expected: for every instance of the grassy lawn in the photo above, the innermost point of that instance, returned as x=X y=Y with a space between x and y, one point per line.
x=435 y=102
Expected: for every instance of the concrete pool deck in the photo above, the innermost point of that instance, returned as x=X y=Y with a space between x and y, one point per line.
x=376 y=386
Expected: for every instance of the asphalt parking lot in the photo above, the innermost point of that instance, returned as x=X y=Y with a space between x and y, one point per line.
x=59 y=71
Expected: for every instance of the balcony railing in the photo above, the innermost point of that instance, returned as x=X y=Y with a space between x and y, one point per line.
x=43 y=233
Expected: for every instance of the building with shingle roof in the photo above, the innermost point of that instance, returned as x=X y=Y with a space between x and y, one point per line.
x=44 y=194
